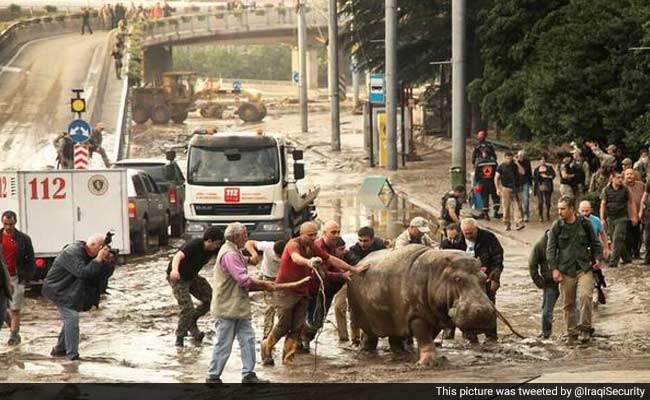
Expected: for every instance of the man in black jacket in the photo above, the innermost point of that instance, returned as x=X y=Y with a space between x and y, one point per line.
x=483 y=245
x=73 y=285
x=542 y=277
x=367 y=242
x=17 y=253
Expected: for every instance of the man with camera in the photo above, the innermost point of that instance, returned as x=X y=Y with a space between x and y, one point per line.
x=74 y=284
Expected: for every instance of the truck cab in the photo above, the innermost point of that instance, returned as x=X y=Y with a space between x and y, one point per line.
x=245 y=177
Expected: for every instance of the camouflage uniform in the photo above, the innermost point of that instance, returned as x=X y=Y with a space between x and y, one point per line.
x=200 y=289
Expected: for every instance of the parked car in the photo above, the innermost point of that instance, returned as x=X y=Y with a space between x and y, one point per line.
x=149 y=211
x=170 y=180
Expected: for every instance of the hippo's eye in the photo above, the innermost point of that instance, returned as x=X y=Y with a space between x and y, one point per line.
x=457 y=279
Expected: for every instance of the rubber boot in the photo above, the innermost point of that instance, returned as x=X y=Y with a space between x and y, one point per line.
x=289 y=351
x=267 y=350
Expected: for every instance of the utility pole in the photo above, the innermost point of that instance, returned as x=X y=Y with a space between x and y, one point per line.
x=458 y=122
x=391 y=83
x=302 y=50
x=355 y=83
x=333 y=62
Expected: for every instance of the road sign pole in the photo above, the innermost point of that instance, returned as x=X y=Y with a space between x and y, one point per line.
x=81 y=156
x=302 y=50
x=333 y=60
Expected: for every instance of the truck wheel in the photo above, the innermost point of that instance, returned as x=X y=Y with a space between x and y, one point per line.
x=204 y=111
x=178 y=225
x=140 y=114
x=179 y=116
x=263 y=111
x=248 y=112
x=160 y=114
x=163 y=233
x=141 y=240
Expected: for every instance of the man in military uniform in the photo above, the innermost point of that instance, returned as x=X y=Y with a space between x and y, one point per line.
x=183 y=276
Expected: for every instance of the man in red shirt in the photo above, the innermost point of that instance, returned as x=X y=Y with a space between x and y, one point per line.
x=299 y=259
x=18 y=253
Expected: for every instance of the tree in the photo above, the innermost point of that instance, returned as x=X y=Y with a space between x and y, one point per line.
x=561 y=70
x=423 y=35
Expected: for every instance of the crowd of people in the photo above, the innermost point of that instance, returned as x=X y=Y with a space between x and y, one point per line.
x=604 y=219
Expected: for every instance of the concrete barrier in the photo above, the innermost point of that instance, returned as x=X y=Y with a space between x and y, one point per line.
x=22 y=32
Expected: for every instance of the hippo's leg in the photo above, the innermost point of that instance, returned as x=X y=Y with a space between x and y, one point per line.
x=423 y=331
x=369 y=342
x=397 y=344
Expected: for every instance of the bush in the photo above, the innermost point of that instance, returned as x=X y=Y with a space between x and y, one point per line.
x=160 y=22
x=14 y=8
x=50 y=9
x=60 y=18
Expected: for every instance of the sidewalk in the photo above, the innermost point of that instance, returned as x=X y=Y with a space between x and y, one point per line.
x=422 y=183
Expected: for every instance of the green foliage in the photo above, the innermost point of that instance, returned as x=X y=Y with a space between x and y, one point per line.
x=243 y=62
x=423 y=35
x=561 y=70
x=14 y=8
x=50 y=9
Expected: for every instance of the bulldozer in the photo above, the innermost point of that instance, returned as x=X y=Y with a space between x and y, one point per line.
x=213 y=102
x=176 y=98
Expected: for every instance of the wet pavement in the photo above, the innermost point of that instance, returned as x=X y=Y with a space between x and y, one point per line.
x=130 y=339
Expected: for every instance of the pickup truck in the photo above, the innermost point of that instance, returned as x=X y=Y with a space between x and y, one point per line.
x=170 y=180
x=148 y=211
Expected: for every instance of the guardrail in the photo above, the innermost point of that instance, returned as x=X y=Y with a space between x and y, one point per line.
x=29 y=29
x=123 y=123
x=177 y=27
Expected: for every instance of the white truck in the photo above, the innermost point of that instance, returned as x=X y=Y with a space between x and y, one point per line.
x=245 y=177
x=57 y=207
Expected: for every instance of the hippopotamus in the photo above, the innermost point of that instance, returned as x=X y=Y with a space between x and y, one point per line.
x=418 y=291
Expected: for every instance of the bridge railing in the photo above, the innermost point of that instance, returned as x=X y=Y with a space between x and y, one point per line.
x=177 y=27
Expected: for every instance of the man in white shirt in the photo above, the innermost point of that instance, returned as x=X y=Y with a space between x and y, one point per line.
x=271 y=253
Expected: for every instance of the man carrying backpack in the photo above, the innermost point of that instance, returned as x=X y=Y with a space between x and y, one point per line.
x=452 y=202
x=573 y=251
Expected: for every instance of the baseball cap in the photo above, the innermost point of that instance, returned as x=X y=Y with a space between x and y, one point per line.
x=627 y=161
x=420 y=223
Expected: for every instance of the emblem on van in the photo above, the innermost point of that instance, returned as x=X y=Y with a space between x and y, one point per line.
x=231 y=195
x=98 y=185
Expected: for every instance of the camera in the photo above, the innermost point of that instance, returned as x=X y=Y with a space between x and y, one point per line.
x=108 y=239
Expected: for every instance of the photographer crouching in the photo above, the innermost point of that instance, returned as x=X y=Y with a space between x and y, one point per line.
x=74 y=283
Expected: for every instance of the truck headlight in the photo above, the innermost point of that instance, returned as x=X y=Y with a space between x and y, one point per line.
x=271 y=227
x=193 y=227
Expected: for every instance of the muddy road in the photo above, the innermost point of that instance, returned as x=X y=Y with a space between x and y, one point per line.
x=131 y=337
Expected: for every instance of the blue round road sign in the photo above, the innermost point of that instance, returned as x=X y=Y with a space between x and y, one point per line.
x=79 y=130
x=236 y=85
x=296 y=77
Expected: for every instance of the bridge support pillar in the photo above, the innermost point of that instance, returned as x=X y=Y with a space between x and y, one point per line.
x=312 y=66
x=156 y=61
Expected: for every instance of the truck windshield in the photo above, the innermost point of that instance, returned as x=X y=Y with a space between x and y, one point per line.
x=219 y=167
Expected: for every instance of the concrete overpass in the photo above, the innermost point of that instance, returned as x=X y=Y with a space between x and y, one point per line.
x=262 y=26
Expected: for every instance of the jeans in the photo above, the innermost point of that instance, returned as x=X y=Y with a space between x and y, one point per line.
x=525 y=200
x=225 y=332
x=69 y=336
x=617 y=230
x=551 y=294
x=3 y=308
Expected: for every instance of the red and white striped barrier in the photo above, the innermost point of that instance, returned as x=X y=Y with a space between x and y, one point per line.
x=81 y=156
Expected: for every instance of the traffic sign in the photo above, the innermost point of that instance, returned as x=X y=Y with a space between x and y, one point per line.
x=295 y=77
x=77 y=105
x=79 y=131
x=236 y=85
x=377 y=89
x=81 y=156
